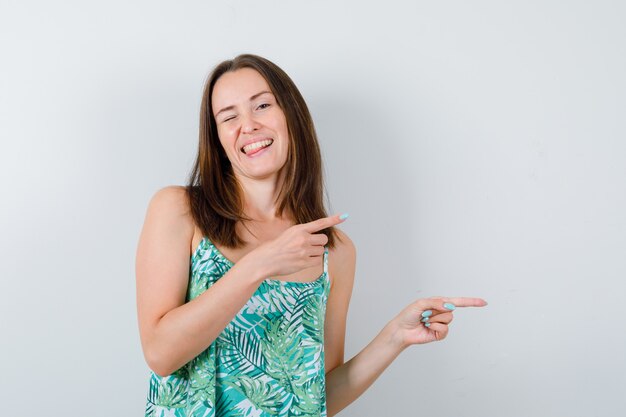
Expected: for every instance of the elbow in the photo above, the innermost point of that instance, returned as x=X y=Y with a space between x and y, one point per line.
x=158 y=363
x=160 y=371
x=159 y=355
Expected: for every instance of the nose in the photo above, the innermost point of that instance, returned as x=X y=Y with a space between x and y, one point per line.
x=248 y=124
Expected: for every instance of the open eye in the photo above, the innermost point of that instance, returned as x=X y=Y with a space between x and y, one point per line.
x=264 y=104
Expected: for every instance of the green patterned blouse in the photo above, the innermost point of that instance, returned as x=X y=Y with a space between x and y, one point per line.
x=268 y=361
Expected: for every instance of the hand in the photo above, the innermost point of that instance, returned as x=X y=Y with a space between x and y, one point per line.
x=297 y=248
x=410 y=324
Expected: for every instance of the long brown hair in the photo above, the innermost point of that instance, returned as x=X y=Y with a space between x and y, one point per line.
x=214 y=194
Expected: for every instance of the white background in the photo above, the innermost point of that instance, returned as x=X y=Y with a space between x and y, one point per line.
x=478 y=147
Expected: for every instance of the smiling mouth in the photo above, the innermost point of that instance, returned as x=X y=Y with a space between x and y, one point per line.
x=257 y=146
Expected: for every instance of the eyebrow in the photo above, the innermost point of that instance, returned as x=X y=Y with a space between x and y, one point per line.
x=251 y=98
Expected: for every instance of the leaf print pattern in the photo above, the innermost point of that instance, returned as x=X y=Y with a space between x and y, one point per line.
x=268 y=361
x=259 y=393
x=243 y=352
x=313 y=319
x=281 y=347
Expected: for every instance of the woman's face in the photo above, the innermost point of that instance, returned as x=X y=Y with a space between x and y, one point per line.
x=247 y=112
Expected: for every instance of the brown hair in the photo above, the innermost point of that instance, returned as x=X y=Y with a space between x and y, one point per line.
x=214 y=194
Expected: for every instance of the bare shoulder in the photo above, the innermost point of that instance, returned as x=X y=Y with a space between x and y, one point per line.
x=172 y=198
x=344 y=245
x=168 y=216
x=342 y=259
x=172 y=202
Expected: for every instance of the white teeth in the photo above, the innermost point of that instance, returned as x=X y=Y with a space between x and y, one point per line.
x=256 y=145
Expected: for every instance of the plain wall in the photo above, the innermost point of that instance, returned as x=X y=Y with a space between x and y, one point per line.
x=479 y=148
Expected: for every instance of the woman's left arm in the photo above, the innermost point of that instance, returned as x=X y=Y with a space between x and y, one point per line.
x=345 y=382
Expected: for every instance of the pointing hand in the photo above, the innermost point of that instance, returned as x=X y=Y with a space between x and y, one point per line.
x=427 y=319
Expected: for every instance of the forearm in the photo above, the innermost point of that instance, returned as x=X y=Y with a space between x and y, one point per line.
x=347 y=382
x=186 y=331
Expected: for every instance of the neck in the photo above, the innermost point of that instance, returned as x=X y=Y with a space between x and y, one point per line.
x=260 y=198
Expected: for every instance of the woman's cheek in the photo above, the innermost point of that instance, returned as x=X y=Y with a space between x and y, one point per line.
x=231 y=132
x=226 y=134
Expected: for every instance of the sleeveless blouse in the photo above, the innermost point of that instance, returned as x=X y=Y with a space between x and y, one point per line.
x=268 y=361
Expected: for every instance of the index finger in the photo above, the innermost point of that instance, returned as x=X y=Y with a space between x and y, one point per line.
x=323 y=223
x=464 y=301
x=437 y=303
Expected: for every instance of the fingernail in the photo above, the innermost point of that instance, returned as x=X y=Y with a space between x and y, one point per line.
x=344 y=216
x=427 y=324
x=449 y=306
x=427 y=313
x=425 y=319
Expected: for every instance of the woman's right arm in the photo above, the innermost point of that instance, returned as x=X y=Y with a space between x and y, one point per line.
x=174 y=332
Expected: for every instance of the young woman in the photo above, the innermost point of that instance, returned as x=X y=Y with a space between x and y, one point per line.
x=244 y=281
